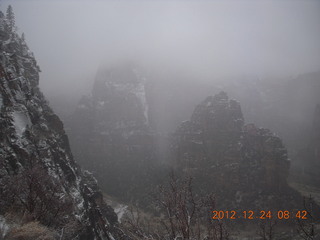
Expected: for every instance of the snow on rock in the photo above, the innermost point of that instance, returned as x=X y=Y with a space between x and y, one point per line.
x=242 y=159
x=21 y=120
x=120 y=210
x=23 y=106
x=76 y=195
x=140 y=92
x=136 y=88
x=117 y=113
x=4 y=227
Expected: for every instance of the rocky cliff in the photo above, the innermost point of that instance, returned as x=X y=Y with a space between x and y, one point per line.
x=38 y=175
x=111 y=128
x=245 y=166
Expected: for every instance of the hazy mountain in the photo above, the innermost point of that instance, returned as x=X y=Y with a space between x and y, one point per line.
x=110 y=131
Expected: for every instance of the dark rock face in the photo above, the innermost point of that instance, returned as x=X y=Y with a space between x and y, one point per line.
x=111 y=129
x=119 y=95
x=214 y=129
x=31 y=134
x=242 y=164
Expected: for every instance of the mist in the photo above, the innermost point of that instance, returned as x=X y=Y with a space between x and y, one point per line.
x=204 y=39
x=177 y=109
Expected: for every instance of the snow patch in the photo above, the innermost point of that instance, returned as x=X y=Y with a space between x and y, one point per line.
x=120 y=210
x=76 y=195
x=140 y=92
x=4 y=226
x=21 y=120
x=138 y=89
x=111 y=237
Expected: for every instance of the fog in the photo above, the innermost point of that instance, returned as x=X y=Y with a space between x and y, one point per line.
x=207 y=39
x=224 y=92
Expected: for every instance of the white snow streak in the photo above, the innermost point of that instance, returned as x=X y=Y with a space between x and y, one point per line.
x=120 y=210
x=21 y=120
x=140 y=92
x=137 y=89
x=4 y=227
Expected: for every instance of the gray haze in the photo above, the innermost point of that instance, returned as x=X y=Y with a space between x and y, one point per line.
x=209 y=39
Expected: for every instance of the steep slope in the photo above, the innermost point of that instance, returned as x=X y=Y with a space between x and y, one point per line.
x=34 y=150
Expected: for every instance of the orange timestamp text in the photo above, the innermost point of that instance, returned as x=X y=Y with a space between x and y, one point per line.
x=280 y=214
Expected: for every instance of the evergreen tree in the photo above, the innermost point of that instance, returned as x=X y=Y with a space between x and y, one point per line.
x=10 y=18
x=2 y=20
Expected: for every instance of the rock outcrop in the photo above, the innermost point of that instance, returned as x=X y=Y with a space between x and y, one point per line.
x=110 y=133
x=245 y=166
x=32 y=137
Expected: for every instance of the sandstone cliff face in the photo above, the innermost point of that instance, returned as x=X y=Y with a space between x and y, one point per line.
x=244 y=165
x=32 y=135
x=111 y=128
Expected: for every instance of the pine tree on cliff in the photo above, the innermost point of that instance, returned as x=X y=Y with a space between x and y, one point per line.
x=10 y=19
x=2 y=20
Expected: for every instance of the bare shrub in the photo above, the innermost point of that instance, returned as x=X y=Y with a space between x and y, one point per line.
x=306 y=228
x=267 y=229
x=30 y=231
x=139 y=225
x=35 y=196
x=183 y=215
x=70 y=230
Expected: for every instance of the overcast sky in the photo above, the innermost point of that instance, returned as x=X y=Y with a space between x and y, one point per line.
x=71 y=39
